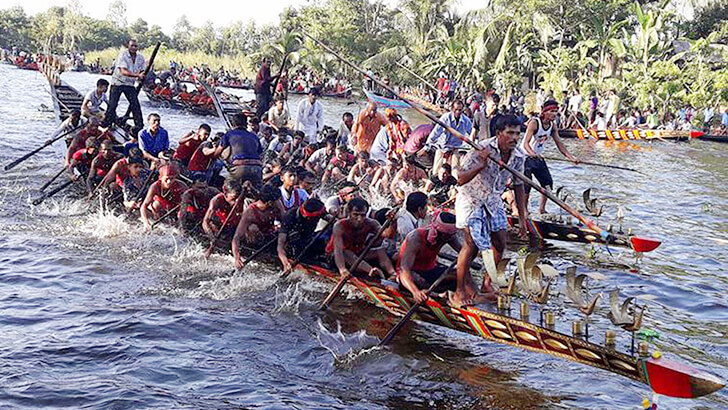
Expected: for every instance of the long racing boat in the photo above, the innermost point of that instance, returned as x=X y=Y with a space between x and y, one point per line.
x=629 y=134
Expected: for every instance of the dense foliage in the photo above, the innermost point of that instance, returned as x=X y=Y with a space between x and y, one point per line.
x=645 y=50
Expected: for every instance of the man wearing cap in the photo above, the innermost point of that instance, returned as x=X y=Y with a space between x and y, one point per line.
x=302 y=221
x=310 y=116
x=417 y=265
x=129 y=67
x=163 y=195
x=538 y=131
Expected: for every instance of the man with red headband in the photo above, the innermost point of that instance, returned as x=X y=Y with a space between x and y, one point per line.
x=301 y=221
x=538 y=131
x=163 y=195
x=417 y=264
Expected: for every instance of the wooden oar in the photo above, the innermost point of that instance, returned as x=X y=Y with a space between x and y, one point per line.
x=337 y=289
x=53 y=192
x=388 y=338
x=163 y=217
x=209 y=249
x=593 y=226
x=47 y=184
x=278 y=77
x=307 y=247
x=37 y=150
x=141 y=83
x=596 y=164
x=257 y=252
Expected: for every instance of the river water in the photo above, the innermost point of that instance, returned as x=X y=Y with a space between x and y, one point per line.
x=94 y=312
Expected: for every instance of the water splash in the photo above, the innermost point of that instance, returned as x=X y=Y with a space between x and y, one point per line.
x=346 y=349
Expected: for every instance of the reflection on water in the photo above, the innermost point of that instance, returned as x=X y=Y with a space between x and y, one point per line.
x=96 y=312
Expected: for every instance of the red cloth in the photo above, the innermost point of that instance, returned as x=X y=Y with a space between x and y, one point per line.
x=427 y=256
x=185 y=151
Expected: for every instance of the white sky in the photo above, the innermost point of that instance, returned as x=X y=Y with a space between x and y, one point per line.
x=166 y=12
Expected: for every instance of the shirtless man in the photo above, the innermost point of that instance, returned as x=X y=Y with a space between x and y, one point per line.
x=101 y=165
x=409 y=174
x=349 y=238
x=195 y=202
x=417 y=264
x=81 y=160
x=339 y=165
x=220 y=206
x=256 y=224
x=163 y=195
x=359 y=171
x=383 y=177
x=114 y=179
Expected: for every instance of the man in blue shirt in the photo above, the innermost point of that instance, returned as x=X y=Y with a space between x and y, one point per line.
x=153 y=139
x=245 y=152
x=447 y=145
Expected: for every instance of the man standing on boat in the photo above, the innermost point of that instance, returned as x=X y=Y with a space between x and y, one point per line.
x=538 y=131
x=366 y=127
x=479 y=208
x=446 y=145
x=245 y=152
x=262 y=88
x=310 y=116
x=129 y=67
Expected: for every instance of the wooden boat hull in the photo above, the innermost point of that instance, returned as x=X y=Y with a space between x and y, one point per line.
x=663 y=376
x=194 y=109
x=714 y=138
x=629 y=134
x=560 y=231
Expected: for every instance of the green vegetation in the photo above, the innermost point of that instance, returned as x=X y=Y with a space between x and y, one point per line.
x=645 y=50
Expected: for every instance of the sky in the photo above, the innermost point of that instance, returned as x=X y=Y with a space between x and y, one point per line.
x=166 y=12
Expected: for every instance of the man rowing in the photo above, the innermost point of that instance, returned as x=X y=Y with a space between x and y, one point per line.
x=163 y=195
x=417 y=264
x=301 y=221
x=194 y=205
x=256 y=224
x=349 y=238
x=79 y=140
x=101 y=165
x=408 y=179
x=479 y=207
x=245 y=151
x=188 y=144
x=224 y=212
x=128 y=68
x=538 y=131
x=133 y=182
x=114 y=179
x=81 y=160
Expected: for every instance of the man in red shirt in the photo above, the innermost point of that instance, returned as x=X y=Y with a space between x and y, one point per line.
x=190 y=142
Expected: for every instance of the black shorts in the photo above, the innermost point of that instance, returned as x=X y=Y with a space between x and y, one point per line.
x=537 y=167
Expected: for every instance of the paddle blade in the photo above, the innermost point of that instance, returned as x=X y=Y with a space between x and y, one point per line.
x=642 y=244
x=679 y=380
x=696 y=134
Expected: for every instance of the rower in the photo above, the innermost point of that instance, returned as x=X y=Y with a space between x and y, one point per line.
x=413 y=215
x=302 y=221
x=538 y=131
x=81 y=160
x=479 y=208
x=349 y=238
x=190 y=142
x=91 y=106
x=256 y=224
x=291 y=197
x=383 y=177
x=114 y=179
x=307 y=181
x=133 y=183
x=163 y=195
x=410 y=176
x=79 y=140
x=336 y=204
x=101 y=165
x=417 y=263
x=318 y=161
x=359 y=171
x=245 y=151
x=220 y=206
x=194 y=204
x=338 y=167
x=153 y=139
x=442 y=187
x=203 y=161
x=73 y=121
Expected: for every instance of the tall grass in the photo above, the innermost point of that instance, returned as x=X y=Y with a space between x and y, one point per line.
x=241 y=64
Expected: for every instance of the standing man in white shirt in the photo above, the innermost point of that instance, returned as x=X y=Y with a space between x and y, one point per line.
x=91 y=106
x=310 y=116
x=129 y=67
